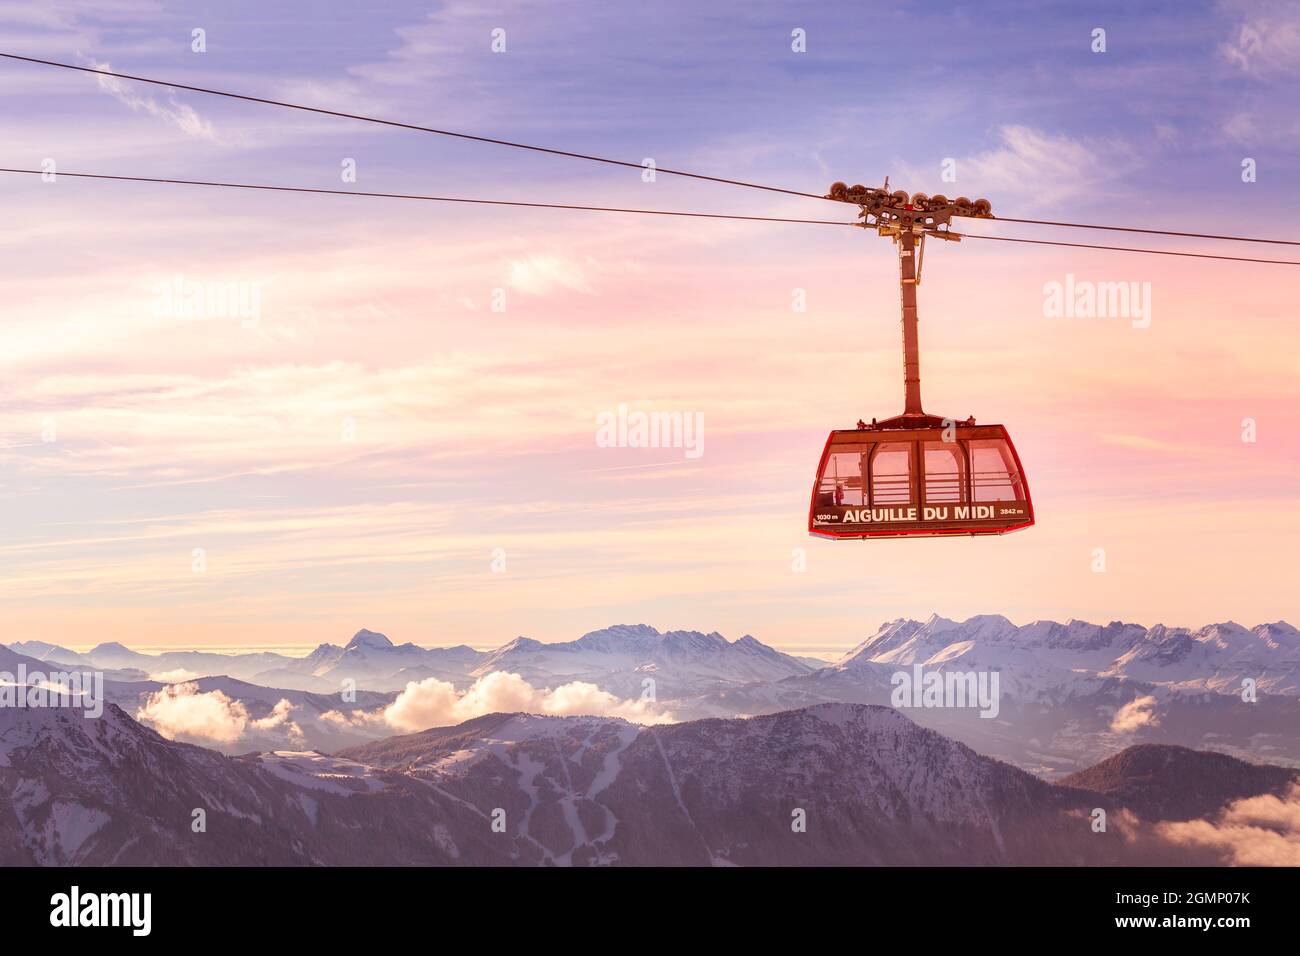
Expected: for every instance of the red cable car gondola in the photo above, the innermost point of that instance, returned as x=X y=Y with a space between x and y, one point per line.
x=916 y=474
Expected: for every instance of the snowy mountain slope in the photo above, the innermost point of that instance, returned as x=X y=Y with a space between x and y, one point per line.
x=1217 y=657
x=107 y=791
x=874 y=788
x=1064 y=687
x=1269 y=652
x=833 y=784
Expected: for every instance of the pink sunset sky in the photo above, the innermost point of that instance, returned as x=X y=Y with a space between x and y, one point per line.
x=383 y=449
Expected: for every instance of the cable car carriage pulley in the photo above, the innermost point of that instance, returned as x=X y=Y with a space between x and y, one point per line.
x=916 y=474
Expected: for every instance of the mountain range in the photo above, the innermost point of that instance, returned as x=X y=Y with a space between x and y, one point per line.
x=1071 y=694
x=1213 y=657
x=618 y=658
x=830 y=784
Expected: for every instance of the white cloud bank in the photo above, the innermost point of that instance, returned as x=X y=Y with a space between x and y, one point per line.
x=182 y=710
x=1257 y=831
x=437 y=703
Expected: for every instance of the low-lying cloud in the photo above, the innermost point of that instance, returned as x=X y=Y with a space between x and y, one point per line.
x=437 y=703
x=1134 y=715
x=1256 y=831
x=182 y=710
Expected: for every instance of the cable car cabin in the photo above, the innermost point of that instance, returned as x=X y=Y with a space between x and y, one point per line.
x=905 y=482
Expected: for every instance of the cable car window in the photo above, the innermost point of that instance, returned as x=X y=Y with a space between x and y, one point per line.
x=841 y=481
x=891 y=474
x=994 y=476
x=945 y=472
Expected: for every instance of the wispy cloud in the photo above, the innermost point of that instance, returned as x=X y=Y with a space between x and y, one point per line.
x=181 y=115
x=1032 y=167
x=543 y=274
x=1266 y=43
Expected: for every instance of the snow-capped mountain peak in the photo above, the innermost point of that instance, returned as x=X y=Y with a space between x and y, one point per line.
x=1046 y=653
x=519 y=644
x=1228 y=635
x=369 y=639
x=1278 y=636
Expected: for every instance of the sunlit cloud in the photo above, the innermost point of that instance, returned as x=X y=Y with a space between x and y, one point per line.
x=436 y=703
x=1135 y=715
x=183 y=711
x=1256 y=831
